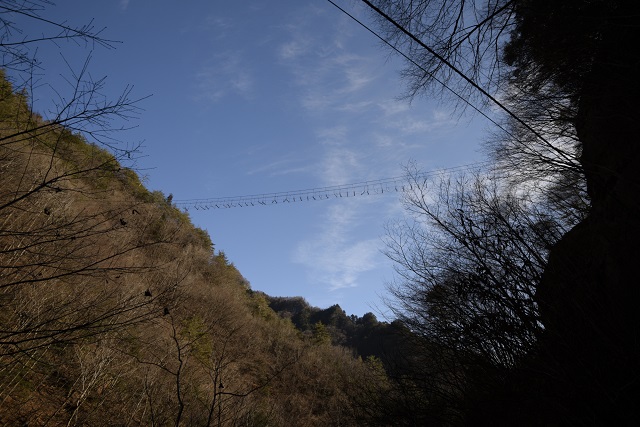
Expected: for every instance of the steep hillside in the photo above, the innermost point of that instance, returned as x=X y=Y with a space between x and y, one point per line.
x=116 y=310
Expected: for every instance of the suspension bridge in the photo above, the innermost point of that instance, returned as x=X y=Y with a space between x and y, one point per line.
x=344 y=191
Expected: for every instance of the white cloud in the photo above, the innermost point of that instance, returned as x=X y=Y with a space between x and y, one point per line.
x=353 y=73
x=321 y=90
x=362 y=133
x=333 y=257
x=355 y=107
x=327 y=76
x=280 y=167
x=393 y=107
x=293 y=49
x=411 y=124
x=315 y=102
x=225 y=75
x=219 y=23
x=340 y=161
x=335 y=135
x=442 y=116
x=384 y=140
x=339 y=166
x=242 y=83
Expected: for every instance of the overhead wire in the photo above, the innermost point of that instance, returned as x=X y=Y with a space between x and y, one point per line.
x=447 y=63
x=338 y=191
x=378 y=186
x=412 y=61
x=453 y=68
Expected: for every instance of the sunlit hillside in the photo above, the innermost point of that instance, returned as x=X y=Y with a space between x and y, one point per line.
x=116 y=310
x=513 y=301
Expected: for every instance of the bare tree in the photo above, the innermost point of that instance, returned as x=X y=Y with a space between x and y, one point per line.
x=59 y=282
x=469 y=260
x=567 y=85
x=455 y=42
x=468 y=263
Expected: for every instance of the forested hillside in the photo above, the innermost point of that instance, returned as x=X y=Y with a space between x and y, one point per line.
x=365 y=336
x=514 y=301
x=116 y=310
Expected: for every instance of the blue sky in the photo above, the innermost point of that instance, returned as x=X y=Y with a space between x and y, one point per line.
x=253 y=97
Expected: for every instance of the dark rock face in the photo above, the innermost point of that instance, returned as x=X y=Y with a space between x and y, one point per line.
x=590 y=290
x=588 y=305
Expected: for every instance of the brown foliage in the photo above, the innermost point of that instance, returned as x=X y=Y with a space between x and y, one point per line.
x=117 y=311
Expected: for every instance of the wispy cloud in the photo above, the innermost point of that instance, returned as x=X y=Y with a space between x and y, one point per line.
x=334 y=83
x=340 y=161
x=326 y=74
x=393 y=107
x=383 y=140
x=355 y=107
x=315 y=101
x=225 y=75
x=220 y=24
x=333 y=257
x=334 y=135
x=356 y=71
x=285 y=166
x=293 y=49
x=339 y=166
x=361 y=132
x=124 y=4
x=409 y=124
